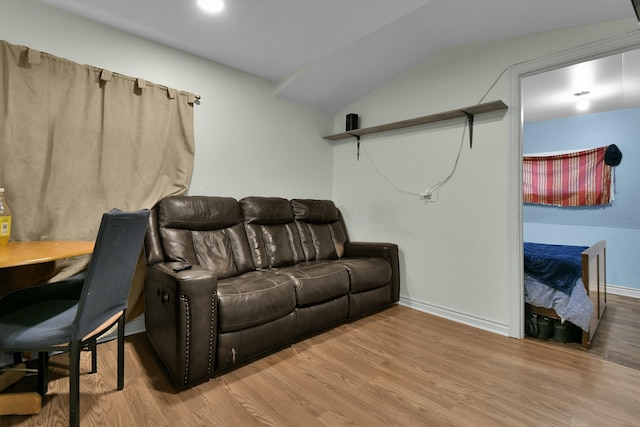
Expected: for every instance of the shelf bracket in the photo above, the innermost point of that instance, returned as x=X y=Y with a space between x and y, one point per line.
x=470 y=120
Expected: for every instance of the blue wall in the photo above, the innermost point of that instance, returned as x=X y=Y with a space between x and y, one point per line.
x=617 y=223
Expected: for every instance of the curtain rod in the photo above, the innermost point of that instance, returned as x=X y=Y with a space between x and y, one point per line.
x=34 y=58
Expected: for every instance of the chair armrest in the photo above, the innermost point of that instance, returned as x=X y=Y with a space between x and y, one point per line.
x=388 y=251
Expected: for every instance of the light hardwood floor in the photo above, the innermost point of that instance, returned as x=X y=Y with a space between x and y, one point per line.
x=618 y=336
x=399 y=367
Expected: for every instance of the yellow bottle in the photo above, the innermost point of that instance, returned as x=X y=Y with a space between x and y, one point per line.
x=5 y=219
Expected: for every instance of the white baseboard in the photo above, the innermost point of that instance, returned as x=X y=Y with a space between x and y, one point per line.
x=455 y=316
x=624 y=292
x=489 y=325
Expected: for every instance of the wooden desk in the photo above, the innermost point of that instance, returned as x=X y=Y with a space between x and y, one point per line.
x=15 y=254
x=18 y=261
x=24 y=264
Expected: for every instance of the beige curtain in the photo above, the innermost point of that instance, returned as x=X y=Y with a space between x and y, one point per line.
x=76 y=141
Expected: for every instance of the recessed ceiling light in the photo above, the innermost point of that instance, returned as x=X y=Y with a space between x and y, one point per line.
x=211 y=6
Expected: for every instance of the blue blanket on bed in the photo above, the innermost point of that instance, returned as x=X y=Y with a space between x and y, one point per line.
x=558 y=266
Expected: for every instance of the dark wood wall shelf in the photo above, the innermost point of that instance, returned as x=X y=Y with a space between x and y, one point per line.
x=438 y=117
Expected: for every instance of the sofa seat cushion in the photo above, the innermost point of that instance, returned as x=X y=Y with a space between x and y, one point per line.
x=367 y=273
x=317 y=282
x=253 y=299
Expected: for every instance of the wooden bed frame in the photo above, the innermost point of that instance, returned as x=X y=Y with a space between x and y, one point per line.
x=594 y=276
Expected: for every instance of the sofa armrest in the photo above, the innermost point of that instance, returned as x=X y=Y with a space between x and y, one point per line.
x=180 y=319
x=152 y=244
x=388 y=251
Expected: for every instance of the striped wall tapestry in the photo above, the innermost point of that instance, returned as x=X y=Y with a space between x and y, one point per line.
x=579 y=178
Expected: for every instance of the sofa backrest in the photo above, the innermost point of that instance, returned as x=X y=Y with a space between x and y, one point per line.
x=321 y=229
x=230 y=237
x=272 y=231
x=204 y=231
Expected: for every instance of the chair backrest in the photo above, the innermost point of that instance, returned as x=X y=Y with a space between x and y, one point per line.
x=110 y=272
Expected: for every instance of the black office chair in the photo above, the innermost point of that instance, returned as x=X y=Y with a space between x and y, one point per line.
x=70 y=315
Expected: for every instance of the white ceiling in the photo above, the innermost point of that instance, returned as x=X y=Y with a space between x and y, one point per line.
x=329 y=53
x=613 y=83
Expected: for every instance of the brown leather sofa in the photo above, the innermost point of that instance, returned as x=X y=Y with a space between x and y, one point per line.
x=265 y=272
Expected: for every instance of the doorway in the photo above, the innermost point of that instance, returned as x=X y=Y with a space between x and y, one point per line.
x=519 y=72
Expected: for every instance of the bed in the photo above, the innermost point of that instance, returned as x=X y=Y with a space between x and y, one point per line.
x=567 y=283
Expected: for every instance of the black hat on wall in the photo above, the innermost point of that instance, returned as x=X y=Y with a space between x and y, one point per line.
x=613 y=155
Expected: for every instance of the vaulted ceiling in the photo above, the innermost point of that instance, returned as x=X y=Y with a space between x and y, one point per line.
x=329 y=53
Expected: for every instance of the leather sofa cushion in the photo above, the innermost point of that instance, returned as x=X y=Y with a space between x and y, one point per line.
x=367 y=273
x=198 y=212
x=318 y=242
x=266 y=210
x=315 y=211
x=274 y=245
x=272 y=233
x=224 y=252
x=205 y=231
x=320 y=228
x=253 y=299
x=317 y=282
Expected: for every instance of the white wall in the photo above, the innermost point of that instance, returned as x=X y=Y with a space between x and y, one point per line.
x=456 y=253
x=247 y=141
